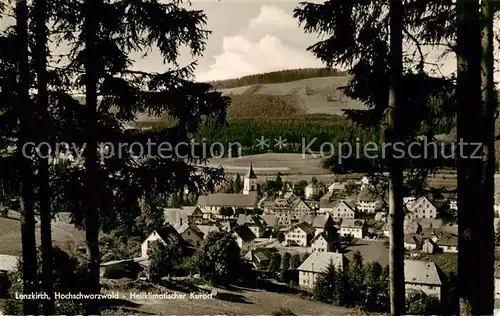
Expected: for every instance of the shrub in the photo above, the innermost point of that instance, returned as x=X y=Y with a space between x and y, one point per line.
x=13 y=307
x=283 y=312
x=120 y=271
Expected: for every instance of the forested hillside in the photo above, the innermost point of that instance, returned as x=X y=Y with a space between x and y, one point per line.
x=278 y=77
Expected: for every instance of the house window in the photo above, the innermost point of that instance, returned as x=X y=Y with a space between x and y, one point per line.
x=431 y=288
x=189 y=233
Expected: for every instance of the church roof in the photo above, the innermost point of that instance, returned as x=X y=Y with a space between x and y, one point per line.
x=250 y=174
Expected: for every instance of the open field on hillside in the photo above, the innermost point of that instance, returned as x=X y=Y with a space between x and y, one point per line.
x=311 y=96
x=271 y=164
x=64 y=235
x=295 y=167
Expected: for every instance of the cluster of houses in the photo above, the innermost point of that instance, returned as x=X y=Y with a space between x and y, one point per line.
x=308 y=225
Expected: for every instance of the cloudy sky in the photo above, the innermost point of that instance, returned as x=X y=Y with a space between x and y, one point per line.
x=247 y=37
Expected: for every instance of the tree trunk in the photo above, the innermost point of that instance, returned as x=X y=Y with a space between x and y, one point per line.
x=396 y=213
x=40 y=58
x=485 y=217
x=472 y=252
x=28 y=237
x=91 y=26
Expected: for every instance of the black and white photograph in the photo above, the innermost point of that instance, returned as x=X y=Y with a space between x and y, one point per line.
x=249 y=157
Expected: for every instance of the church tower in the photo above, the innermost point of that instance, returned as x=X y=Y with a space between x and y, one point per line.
x=250 y=181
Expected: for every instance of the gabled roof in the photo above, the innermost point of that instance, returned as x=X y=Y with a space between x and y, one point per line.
x=280 y=202
x=316 y=221
x=328 y=204
x=352 y=223
x=347 y=203
x=249 y=220
x=421 y=272
x=250 y=174
x=259 y=255
x=337 y=186
x=308 y=229
x=328 y=195
x=175 y=216
x=192 y=210
x=244 y=233
x=181 y=229
x=244 y=219
x=319 y=261
x=229 y=199
x=299 y=201
x=324 y=235
x=206 y=229
x=419 y=202
x=290 y=197
x=444 y=238
x=270 y=220
x=167 y=232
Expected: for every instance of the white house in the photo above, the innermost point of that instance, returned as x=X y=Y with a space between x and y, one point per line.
x=422 y=208
x=300 y=234
x=316 y=264
x=311 y=190
x=160 y=235
x=320 y=222
x=254 y=222
x=367 y=202
x=244 y=237
x=354 y=227
x=422 y=276
x=323 y=242
x=344 y=210
x=190 y=233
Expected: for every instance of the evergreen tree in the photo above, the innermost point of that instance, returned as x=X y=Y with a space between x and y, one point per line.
x=40 y=61
x=299 y=188
x=26 y=169
x=285 y=262
x=295 y=261
x=326 y=285
x=278 y=182
x=475 y=298
x=275 y=264
x=109 y=35
x=238 y=184
x=340 y=289
x=356 y=278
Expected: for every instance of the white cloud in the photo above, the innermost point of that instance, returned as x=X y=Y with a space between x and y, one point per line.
x=271 y=41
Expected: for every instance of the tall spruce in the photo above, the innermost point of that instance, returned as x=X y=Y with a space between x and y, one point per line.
x=100 y=58
x=393 y=134
x=485 y=217
x=40 y=61
x=469 y=173
x=28 y=236
x=91 y=79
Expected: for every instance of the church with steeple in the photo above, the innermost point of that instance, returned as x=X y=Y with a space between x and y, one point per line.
x=211 y=204
x=250 y=181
